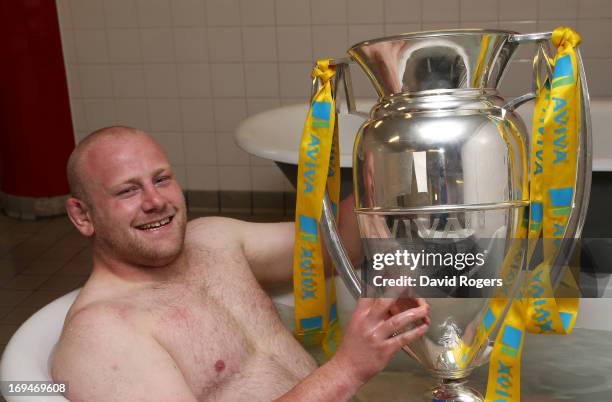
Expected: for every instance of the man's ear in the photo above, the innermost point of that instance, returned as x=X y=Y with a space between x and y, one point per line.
x=79 y=216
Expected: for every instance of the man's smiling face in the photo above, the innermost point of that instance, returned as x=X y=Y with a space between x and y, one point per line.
x=137 y=208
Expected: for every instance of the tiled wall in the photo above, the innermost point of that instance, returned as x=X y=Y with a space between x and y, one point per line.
x=188 y=71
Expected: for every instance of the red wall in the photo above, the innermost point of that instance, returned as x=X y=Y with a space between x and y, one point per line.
x=36 y=135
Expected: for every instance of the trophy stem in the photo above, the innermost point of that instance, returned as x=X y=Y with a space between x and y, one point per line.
x=454 y=390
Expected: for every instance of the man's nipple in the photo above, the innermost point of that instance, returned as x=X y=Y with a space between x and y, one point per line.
x=219 y=366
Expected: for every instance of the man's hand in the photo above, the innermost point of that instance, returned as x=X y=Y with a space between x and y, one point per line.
x=367 y=347
x=369 y=342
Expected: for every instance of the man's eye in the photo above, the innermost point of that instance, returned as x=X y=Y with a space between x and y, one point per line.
x=127 y=191
x=162 y=179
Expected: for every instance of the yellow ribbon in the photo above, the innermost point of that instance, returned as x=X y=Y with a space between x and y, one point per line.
x=316 y=318
x=552 y=187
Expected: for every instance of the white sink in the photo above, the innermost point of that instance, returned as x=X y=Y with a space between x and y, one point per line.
x=275 y=134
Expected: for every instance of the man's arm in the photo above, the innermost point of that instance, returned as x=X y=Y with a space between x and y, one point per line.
x=102 y=357
x=367 y=347
x=269 y=246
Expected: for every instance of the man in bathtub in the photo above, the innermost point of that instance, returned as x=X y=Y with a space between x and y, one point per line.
x=175 y=311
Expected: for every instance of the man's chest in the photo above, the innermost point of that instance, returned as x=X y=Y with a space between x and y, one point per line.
x=217 y=330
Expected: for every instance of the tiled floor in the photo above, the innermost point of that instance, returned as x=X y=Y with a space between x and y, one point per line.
x=40 y=261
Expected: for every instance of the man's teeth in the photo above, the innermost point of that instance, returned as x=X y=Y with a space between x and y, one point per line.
x=155 y=225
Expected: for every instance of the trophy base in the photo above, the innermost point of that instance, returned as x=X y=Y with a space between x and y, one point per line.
x=453 y=390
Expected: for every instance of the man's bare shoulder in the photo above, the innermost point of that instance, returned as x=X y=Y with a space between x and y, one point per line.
x=102 y=348
x=214 y=229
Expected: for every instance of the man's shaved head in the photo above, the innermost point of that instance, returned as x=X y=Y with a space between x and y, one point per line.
x=76 y=171
x=126 y=198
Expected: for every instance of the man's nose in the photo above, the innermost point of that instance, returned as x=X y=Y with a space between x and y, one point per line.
x=152 y=200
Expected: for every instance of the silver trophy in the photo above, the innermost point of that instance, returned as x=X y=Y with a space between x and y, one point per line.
x=442 y=161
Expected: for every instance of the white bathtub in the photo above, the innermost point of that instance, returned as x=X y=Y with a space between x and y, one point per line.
x=275 y=134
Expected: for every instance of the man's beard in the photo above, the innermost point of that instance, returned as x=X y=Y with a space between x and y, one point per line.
x=133 y=249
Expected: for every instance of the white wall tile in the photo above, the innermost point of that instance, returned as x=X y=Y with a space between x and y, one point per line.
x=259 y=43
x=292 y=12
x=121 y=13
x=257 y=12
x=64 y=14
x=160 y=80
x=200 y=149
x=596 y=36
x=362 y=87
x=133 y=113
x=91 y=46
x=480 y=24
x=229 y=153
x=124 y=46
x=172 y=144
x=190 y=44
x=227 y=80
x=359 y=33
x=591 y=9
x=398 y=11
x=294 y=43
x=517 y=79
x=295 y=101
x=180 y=175
x=518 y=10
x=396 y=29
x=197 y=115
x=228 y=114
x=295 y=80
x=598 y=77
x=209 y=62
x=328 y=12
x=87 y=14
x=479 y=10
x=80 y=135
x=164 y=115
x=261 y=79
x=225 y=44
x=73 y=77
x=267 y=178
x=434 y=26
x=258 y=105
x=157 y=45
x=365 y=12
x=188 y=13
x=128 y=80
x=234 y=178
x=154 y=13
x=525 y=51
x=96 y=81
x=222 y=12
x=441 y=10
x=99 y=113
x=330 y=41
x=557 y=9
x=549 y=25
x=202 y=177
x=79 y=119
x=257 y=161
x=68 y=46
x=194 y=80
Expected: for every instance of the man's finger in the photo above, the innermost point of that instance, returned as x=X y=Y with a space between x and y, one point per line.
x=397 y=322
x=382 y=306
x=403 y=339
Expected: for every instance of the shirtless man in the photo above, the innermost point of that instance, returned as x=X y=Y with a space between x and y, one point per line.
x=175 y=311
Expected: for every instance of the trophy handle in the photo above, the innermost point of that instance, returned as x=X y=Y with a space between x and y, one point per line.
x=336 y=250
x=585 y=148
x=343 y=74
